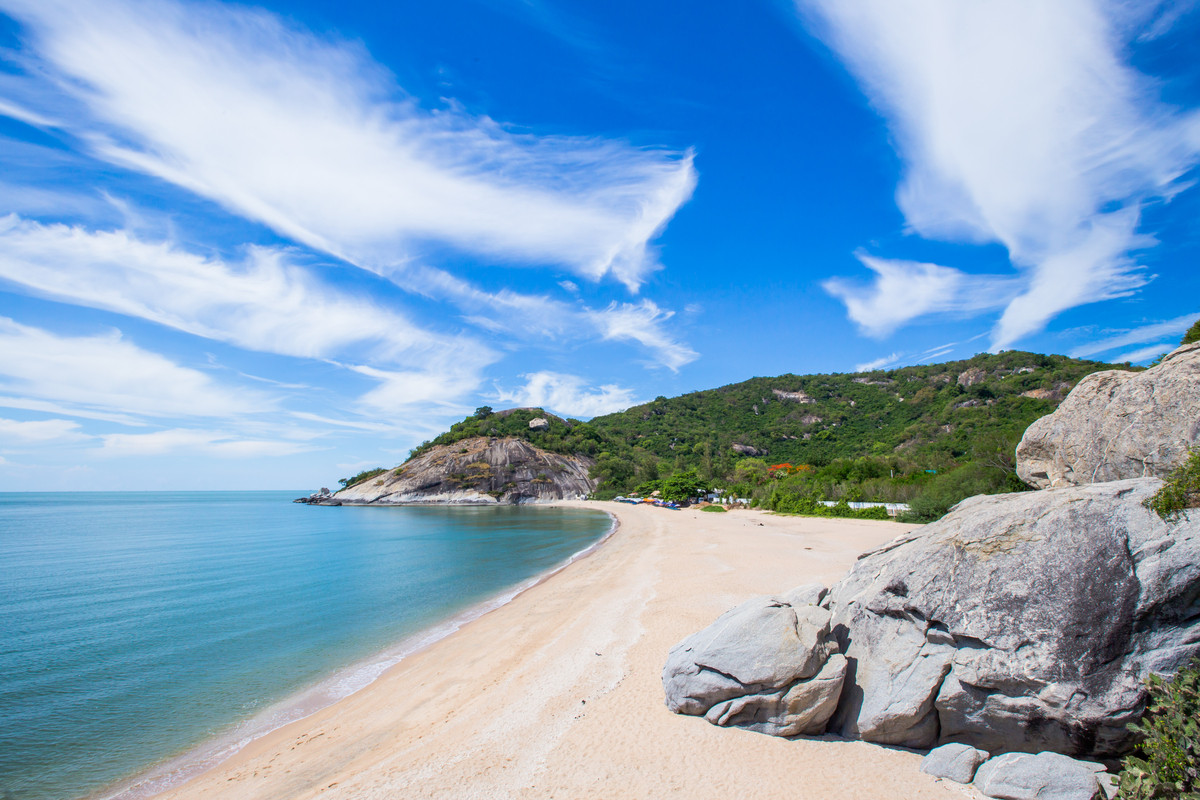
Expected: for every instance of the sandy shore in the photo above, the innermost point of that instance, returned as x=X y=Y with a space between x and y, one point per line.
x=558 y=694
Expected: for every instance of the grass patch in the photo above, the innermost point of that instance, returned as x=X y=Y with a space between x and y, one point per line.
x=714 y=509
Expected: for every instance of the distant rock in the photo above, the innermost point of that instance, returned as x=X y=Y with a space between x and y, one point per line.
x=972 y=376
x=1019 y=622
x=747 y=450
x=539 y=424
x=770 y=665
x=1117 y=424
x=795 y=397
x=478 y=471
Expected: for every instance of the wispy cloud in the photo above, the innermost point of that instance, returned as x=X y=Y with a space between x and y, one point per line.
x=643 y=323
x=1018 y=123
x=568 y=394
x=310 y=136
x=13 y=432
x=1155 y=332
x=905 y=290
x=1144 y=353
x=263 y=303
x=879 y=363
x=109 y=374
x=215 y=443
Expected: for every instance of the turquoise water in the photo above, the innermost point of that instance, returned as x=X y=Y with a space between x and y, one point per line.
x=135 y=627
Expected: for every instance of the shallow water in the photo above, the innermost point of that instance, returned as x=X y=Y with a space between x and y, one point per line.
x=135 y=626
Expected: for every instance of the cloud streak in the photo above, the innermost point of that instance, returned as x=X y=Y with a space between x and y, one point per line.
x=568 y=394
x=1019 y=123
x=109 y=374
x=312 y=138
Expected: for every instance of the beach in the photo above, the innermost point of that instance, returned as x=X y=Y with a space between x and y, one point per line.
x=558 y=693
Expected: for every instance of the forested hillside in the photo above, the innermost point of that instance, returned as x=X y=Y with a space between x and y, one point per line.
x=927 y=435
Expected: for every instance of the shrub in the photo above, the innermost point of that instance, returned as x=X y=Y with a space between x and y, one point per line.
x=366 y=474
x=1181 y=490
x=1167 y=764
x=716 y=509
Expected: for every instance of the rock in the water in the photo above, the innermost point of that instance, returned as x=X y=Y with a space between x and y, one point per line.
x=1045 y=776
x=1116 y=425
x=954 y=761
x=769 y=665
x=1019 y=622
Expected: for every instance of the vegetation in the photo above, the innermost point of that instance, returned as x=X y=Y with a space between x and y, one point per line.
x=567 y=437
x=1192 y=335
x=365 y=475
x=718 y=509
x=1167 y=763
x=1180 y=491
x=927 y=435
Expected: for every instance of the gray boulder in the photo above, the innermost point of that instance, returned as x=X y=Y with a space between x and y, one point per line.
x=1117 y=424
x=954 y=761
x=1045 y=776
x=1019 y=622
x=769 y=665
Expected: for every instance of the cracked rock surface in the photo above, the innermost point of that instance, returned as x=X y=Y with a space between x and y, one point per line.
x=769 y=665
x=1116 y=425
x=1019 y=622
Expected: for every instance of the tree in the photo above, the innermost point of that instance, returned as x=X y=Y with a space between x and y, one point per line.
x=683 y=486
x=483 y=412
x=1193 y=334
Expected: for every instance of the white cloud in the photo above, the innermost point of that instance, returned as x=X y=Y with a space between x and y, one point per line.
x=214 y=443
x=643 y=323
x=905 y=290
x=311 y=137
x=879 y=363
x=568 y=395
x=108 y=374
x=263 y=303
x=1147 y=333
x=1145 y=353
x=1018 y=123
x=22 y=114
x=38 y=431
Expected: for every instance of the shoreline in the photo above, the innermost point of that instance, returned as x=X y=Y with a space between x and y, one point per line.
x=558 y=693
x=332 y=689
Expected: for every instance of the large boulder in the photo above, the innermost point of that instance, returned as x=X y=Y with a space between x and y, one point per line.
x=1116 y=425
x=770 y=665
x=1021 y=622
x=1041 y=776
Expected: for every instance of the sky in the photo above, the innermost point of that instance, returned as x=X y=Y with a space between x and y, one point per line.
x=265 y=246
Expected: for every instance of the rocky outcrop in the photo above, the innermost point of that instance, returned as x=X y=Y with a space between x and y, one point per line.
x=747 y=450
x=770 y=665
x=478 y=471
x=1117 y=424
x=954 y=761
x=1021 y=622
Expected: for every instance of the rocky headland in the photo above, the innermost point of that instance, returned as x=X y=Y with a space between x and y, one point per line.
x=476 y=471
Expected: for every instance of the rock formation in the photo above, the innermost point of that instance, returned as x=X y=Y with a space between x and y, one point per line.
x=770 y=665
x=477 y=471
x=1117 y=424
x=1019 y=622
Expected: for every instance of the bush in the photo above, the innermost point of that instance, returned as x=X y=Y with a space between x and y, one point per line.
x=366 y=474
x=717 y=509
x=1168 y=761
x=1181 y=490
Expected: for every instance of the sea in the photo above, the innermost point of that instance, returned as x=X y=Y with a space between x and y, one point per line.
x=146 y=636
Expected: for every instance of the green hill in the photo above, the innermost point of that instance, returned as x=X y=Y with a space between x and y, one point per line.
x=927 y=435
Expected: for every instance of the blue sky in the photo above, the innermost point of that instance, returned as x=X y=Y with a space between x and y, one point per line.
x=266 y=246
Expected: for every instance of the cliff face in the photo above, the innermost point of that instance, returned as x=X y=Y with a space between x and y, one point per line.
x=478 y=471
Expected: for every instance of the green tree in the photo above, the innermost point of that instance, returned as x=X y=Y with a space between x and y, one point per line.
x=1193 y=334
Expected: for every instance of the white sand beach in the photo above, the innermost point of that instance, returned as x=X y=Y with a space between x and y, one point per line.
x=558 y=694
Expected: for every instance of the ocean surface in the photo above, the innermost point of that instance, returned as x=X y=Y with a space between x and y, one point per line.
x=167 y=629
